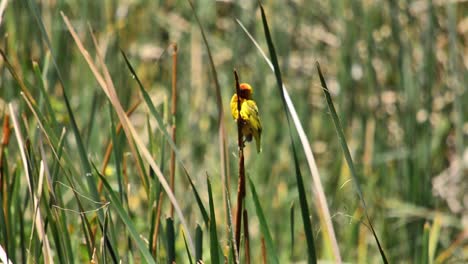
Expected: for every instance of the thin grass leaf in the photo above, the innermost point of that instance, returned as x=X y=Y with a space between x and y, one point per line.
x=106 y=240
x=200 y=203
x=312 y=258
x=349 y=160
x=214 y=244
x=232 y=240
x=189 y=256
x=92 y=117
x=433 y=238
x=117 y=155
x=270 y=248
x=291 y=221
x=152 y=238
x=48 y=105
x=425 y=243
x=154 y=112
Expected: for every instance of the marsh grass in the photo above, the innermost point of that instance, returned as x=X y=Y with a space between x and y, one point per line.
x=96 y=164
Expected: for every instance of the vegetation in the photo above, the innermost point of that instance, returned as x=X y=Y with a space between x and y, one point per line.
x=118 y=143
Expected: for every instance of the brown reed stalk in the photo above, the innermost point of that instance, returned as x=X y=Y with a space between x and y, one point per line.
x=173 y=112
x=246 y=237
x=5 y=140
x=108 y=153
x=241 y=184
x=4 y=143
x=264 y=256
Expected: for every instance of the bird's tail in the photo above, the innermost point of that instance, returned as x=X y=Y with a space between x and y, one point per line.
x=258 y=141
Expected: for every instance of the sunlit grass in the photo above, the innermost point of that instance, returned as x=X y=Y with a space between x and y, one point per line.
x=87 y=145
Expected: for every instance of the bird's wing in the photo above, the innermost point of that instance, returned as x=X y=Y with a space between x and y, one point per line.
x=249 y=112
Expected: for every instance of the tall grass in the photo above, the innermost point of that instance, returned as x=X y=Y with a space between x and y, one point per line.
x=117 y=144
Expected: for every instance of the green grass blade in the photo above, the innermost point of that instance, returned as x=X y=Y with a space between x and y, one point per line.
x=45 y=95
x=300 y=184
x=214 y=244
x=271 y=250
x=199 y=202
x=349 y=160
x=187 y=249
x=154 y=112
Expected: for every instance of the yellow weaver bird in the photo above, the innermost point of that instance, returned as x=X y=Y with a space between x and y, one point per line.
x=251 y=124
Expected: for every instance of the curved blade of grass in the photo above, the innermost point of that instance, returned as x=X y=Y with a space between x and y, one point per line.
x=117 y=156
x=42 y=88
x=291 y=221
x=349 y=160
x=317 y=184
x=187 y=248
x=425 y=241
x=272 y=257
x=115 y=203
x=214 y=244
x=433 y=238
x=200 y=203
x=300 y=185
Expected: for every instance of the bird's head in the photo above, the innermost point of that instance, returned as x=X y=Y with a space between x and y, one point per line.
x=246 y=91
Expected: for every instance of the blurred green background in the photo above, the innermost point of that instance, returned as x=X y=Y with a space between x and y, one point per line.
x=397 y=71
